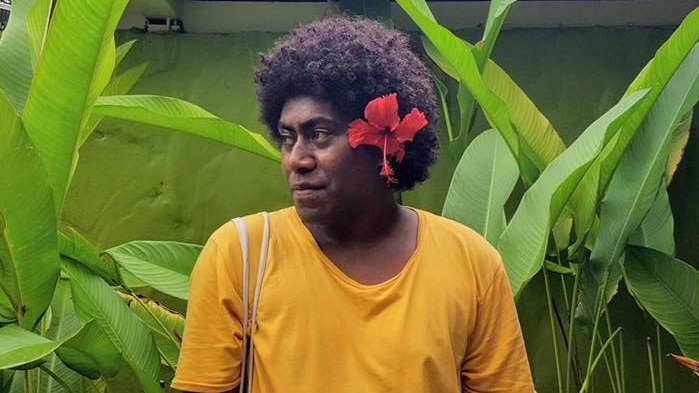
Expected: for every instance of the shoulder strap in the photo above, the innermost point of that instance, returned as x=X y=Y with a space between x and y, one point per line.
x=246 y=365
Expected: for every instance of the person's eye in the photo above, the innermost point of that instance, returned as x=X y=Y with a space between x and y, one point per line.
x=286 y=138
x=320 y=135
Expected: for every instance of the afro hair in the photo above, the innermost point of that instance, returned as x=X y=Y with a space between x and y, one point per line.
x=349 y=62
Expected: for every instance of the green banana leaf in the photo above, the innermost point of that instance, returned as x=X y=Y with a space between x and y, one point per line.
x=669 y=290
x=496 y=17
x=95 y=300
x=119 y=84
x=679 y=141
x=36 y=21
x=164 y=265
x=523 y=242
x=183 y=116
x=7 y=312
x=536 y=136
x=90 y=354
x=655 y=76
x=481 y=184
x=66 y=81
x=657 y=229
x=459 y=56
x=16 y=52
x=167 y=326
x=20 y=346
x=635 y=184
x=534 y=129
x=76 y=247
x=28 y=245
x=64 y=324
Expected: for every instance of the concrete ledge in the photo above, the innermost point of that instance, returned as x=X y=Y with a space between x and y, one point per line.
x=233 y=16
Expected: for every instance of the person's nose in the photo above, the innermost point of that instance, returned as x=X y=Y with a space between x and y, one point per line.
x=301 y=159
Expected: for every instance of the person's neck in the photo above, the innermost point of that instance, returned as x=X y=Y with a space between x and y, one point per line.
x=366 y=225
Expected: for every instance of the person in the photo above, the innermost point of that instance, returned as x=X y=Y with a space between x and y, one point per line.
x=360 y=294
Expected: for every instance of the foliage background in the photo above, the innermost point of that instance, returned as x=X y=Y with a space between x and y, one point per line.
x=137 y=182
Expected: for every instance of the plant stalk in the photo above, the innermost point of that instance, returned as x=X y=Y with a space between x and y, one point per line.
x=588 y=377
x=650 y=365
x=549 y=303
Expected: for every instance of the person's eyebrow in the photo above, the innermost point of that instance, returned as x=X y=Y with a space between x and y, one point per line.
x=310 y=123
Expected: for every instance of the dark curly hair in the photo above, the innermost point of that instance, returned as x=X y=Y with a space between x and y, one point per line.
x=349 y=62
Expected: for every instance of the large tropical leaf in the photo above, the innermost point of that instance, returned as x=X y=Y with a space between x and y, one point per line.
x=95 y=300
x=680 y=137
x=29 y=264
x=655 y=76
x=523 y=243
x=184 y=116
x=16 y=53
x=166 y=325
x=20 y=346
x=657 y=230
x=37 y=21
x=7 y=312
x=481 y=184
x=534 y=129
x=64 y=324
x=66 y=81
x=90 y=353
x=119 y=84
x=458 y=54
x=496 y=17
x=635 y=184
x=669 y=290
x=75 y=246
x=165 y=266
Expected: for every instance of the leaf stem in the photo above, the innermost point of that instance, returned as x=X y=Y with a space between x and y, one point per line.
x=650 y=365
x=586 y=383
x=571 y=331
x=660 y=359
x=615 y=363
x=549 y=303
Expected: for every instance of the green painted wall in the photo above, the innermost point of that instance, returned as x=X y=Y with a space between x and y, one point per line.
x=136 y=182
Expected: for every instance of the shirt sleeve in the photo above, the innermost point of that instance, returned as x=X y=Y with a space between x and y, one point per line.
x=210 y=356
x=496 y=360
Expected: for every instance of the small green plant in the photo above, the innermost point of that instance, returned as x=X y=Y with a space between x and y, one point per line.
x=596 y=212
x=69 y=315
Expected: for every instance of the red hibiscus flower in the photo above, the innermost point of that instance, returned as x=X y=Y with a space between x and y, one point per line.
x=384 y=129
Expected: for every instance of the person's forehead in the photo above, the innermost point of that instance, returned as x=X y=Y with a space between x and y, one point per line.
x=301 y=108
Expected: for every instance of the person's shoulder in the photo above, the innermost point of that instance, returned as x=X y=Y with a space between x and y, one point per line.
x=444 y=226
x=457 y=239
x=254 y=222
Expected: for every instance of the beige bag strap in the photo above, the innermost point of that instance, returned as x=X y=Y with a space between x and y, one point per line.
x=246 y=365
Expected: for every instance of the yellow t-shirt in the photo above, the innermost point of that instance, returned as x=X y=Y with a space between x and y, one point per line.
x=446 y=323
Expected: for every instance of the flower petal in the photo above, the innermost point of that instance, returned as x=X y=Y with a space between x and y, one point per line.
x=359 y=132
x=382 y=112
x=410 y=125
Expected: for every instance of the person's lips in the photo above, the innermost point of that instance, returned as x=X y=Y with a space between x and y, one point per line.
x=306 y=192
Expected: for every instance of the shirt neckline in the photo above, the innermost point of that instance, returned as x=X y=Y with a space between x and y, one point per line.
x=307 y=237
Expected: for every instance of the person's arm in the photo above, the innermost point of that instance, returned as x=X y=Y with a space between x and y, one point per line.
x=210 y=356
x=496 y=360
